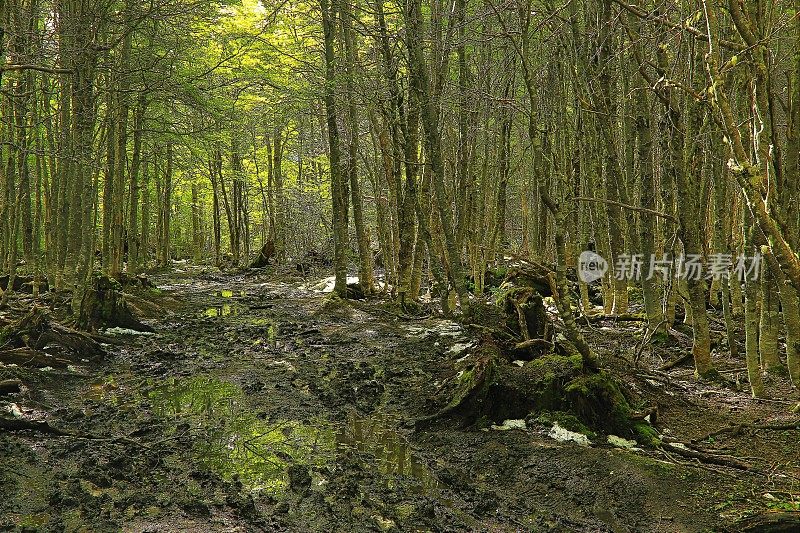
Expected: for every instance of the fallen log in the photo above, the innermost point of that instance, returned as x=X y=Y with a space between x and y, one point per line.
x=29 y=357
x=19 y=424
x=628 y=317
x=769 y=522
x=675 y=362
x=795 y=424
x=10 y=386
x=533 y=343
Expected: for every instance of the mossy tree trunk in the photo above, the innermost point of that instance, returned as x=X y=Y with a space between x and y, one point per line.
x=751 y=317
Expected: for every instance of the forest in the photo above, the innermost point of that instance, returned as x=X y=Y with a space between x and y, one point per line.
x=427 y=265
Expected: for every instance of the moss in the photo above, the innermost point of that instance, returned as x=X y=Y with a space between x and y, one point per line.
x=483 y=314
x=483 y=422
x=559 y=364
x=597 y=400
x=646 y=434
x=474 y=384
x=404 y=511
x=565 y=420
x=659 y=337
x=466 y=376
x=509 y=291
x=334 y=306
x=550 y=389
x=635 y=294
x=515 y=392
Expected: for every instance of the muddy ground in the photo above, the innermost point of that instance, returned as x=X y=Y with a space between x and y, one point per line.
x=261 y=405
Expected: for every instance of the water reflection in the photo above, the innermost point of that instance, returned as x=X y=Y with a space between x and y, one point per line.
x=231 y=440
x=222 y=310
x=228 y=293
x=393 y=455
x=235 y=443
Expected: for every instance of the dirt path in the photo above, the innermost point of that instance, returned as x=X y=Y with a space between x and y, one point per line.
x=261 y=406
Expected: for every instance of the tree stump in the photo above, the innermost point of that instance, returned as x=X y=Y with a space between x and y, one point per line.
x=266 y=254
x=103 y=305
x=554 y=383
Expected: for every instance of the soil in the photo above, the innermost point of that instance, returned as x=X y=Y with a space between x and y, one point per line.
x=259 y=405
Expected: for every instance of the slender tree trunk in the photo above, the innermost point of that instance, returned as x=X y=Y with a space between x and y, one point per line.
x=280 y=202
x=607 y=119
x=751 y=318
x=338 y=192
x=365 y=274
x=430 y=120
x=144 y=249
x=769 y=325
x=167 y=207
x=133 y=209
x=648 y=226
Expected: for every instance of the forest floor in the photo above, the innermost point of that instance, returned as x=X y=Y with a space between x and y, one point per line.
x=261 y=405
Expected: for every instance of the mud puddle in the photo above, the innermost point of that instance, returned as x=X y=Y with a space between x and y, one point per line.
x=239 y=444
x=223 y=310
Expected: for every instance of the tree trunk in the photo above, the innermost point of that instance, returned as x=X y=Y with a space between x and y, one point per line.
x=430 y=121
x=365 y=275
x=338 y=190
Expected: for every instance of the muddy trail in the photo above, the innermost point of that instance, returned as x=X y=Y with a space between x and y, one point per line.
x=262 y=405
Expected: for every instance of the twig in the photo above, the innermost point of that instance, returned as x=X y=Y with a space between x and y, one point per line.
x=626 y=206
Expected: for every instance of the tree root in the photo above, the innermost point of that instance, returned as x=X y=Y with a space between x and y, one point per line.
x=24 y=340
x=768 y=522
x=474 y=387
x=533 y=343
x=593 y=319
x=736 y=429
x=705 y=457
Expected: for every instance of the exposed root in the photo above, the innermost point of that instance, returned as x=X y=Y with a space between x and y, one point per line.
x=705 y=457
x=675 y=362
x=474 y=386
x=771 y=522
x=23 y=341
